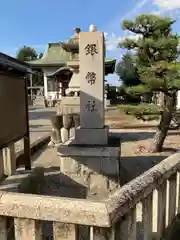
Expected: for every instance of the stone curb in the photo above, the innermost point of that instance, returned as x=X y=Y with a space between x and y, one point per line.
x=139 y=127
x=35 y=146
x=133 y=126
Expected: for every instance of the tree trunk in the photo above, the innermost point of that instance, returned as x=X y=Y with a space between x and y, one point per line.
x=163 y=127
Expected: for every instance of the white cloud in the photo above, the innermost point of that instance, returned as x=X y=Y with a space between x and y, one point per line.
x=166 y=5
x=171 y=7
x=112 y=40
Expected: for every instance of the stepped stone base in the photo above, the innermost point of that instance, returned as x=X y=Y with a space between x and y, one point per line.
x=96 y=168
x=96 y=136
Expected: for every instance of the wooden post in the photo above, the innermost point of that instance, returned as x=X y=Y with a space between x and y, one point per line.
x=31 y=84
x=9 y=159
x=64 y=231
x=126 y=229
x=161 y=223
x=147 y=217
x=3 y=229
x=27 y=154
x=28 y=229
x=172 y=198
x=1 y=165
x=102 y=233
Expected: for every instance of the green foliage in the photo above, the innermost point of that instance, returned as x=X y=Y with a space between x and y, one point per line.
x=127 y=71
x=26 y=53
x=156 y=51
x=143 y=111
x=136 y=90
x=38 y=79
x=128 y=74
x=40 y=55
x=122 y=90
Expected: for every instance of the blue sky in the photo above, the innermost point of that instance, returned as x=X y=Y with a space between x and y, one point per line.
x=37 y=22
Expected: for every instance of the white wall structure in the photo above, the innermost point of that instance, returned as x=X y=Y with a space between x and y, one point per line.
x=47 y=93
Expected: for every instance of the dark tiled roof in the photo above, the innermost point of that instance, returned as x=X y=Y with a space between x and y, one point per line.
x=9 y=63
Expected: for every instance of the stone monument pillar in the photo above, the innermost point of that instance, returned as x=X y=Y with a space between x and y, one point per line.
x=91 y=158
x=91 y=57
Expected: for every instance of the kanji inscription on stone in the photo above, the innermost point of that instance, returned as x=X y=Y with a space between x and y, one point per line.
x=91 y=78
x=91 y=49
x=91 y=107
x=91 y=68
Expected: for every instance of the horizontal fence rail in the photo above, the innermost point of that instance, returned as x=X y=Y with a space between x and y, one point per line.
x=155 y=194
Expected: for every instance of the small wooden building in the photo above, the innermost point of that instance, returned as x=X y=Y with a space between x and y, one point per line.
x=14 y=121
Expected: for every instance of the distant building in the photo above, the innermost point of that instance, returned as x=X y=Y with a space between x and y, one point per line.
x=57 y=63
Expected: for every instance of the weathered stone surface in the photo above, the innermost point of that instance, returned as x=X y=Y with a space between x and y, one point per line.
x=72 y=132
x=76 y=119
x=69 y=105
x=28 y=229
x=69 y=165
x=90 y=167
x=90 y=164
x=9 y=157
x=56 y=136
x=67 y=121
x=57 y=209
x=102 y=233
x=102 y=213
x=64 y=135
x=24 y=181
x=72 y=179
x=64 y=231
x=91 y=92
x=118 y=203
x=57 y=121
x=69 y=149
x=98 y=185
x=92 y=136
x=3 y=228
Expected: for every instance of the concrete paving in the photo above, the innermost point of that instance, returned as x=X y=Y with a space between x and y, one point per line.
x=39 y=123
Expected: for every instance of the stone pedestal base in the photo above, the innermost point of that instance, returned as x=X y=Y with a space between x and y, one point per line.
x=95 y=168
x=92 y=137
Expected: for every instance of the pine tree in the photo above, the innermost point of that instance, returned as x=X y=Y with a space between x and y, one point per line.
x=156 y=50
x=26 y=53
x=127 y=71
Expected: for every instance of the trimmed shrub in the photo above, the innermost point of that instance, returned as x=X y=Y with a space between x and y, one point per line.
x=143 y=111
